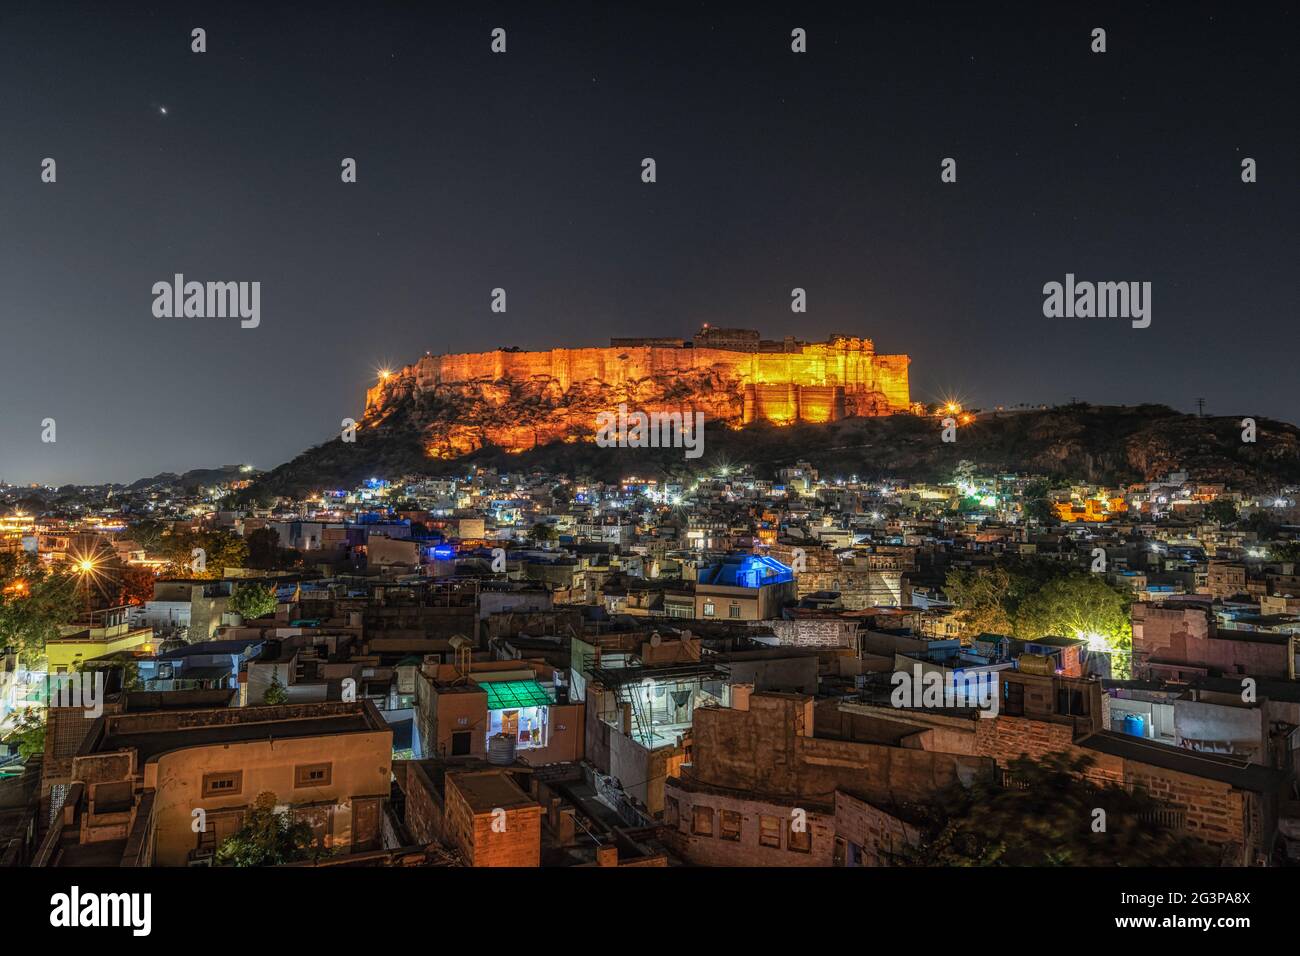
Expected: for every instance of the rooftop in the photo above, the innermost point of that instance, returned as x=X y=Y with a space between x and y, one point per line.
x=486 y=790
x=1233 y=771
x=155 y=733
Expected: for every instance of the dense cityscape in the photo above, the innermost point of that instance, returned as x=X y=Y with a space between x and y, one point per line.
x=768 y=460
x=732 y=667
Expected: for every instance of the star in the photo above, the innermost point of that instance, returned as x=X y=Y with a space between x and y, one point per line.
x=162 y=110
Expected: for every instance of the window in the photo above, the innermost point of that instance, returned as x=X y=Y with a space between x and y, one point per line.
x=730 y=825
x=312 y=775
x=735 y=610
x=671 y=811
x=1013 y=699
x=223 y=784
x=769 y=831
x=702 y=821
x=798 y=841
x=708 y=609
x=461 y=743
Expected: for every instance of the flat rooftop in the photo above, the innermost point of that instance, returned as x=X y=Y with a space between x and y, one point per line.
x=486 y=790
x=149 y=744
x=1224 y=768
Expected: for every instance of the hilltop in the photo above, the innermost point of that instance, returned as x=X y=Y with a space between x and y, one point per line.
x=1112 y=444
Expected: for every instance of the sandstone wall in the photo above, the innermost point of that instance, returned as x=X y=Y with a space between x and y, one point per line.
x=851 y=364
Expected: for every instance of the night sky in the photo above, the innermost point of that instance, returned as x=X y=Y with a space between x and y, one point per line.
x=522 y=171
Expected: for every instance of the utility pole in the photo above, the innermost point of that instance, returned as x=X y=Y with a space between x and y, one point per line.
x=1200 y=408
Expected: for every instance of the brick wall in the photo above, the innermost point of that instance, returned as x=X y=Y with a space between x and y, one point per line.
x=424 y=810
x=518 y=842
x=1005 y=738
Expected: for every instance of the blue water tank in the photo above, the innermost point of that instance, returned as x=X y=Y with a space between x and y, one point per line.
x=1135 y=725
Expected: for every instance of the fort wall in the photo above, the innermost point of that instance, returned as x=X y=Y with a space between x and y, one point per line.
x=814 y=382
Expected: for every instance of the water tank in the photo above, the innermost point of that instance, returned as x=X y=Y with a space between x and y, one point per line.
x=501 y=749
x=1135 y=725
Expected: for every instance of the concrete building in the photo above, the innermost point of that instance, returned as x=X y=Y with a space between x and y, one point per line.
x=766 y=785
x=1177 y=642
x=480 y=813
x=457 y=714
x=138 y=778
x=743 y=587
x=97 y=635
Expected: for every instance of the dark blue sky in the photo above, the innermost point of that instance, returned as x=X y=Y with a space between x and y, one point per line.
x=523 y=171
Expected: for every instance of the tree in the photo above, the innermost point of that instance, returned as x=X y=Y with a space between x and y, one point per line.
x=981 y=598
x=543 y=533
x=1261 y=523
x=34 y=601
x=136 y=586
x=253 y=600
x=1048 y=813
x=1285 y=551
x=1037 y=507
x=148 y=534
x=265 y=553
x=221 y=549
x=562 y=494
x=1080 y=605
x=28 y=734
x=276 y=693
x=267 y=838
x=1221 y=510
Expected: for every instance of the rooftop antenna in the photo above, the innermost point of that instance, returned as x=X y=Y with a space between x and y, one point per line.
x=1200 y=408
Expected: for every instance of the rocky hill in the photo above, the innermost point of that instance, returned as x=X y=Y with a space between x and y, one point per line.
x=1080 y=442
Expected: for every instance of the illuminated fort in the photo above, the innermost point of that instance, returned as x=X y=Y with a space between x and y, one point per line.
x=518 y=400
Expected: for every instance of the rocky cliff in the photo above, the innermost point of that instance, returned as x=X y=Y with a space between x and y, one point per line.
x=521 y=400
